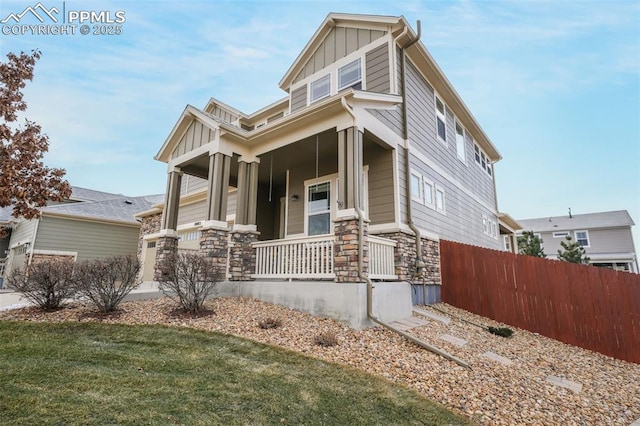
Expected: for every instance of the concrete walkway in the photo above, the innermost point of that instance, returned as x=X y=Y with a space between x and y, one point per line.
x=12 y=300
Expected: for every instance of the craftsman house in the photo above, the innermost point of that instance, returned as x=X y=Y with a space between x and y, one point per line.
x=370 y=150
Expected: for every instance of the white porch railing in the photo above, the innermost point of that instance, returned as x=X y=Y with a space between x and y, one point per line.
x=305 y=257
x=381 y=258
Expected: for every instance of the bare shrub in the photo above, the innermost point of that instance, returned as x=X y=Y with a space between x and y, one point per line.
x=191 y=277
x=326 y=339
x=268 y=323
x=47 y=284
x=106 y=282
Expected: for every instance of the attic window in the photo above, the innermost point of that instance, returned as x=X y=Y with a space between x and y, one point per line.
x=350 y=75
x=320 y=88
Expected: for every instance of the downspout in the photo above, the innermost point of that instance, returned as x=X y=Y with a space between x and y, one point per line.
x=366 y=279
x=419 y=263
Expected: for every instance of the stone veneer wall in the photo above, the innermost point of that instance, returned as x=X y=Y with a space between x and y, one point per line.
x=165 y=247
x=214 y=245
x=345 y=250
x=150 y=225
x=39 y=258
x=242 y=255
x=405 y=255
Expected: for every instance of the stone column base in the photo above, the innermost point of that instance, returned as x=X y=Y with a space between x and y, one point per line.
x=166 y=246
x=214 y=245
x=242 y=255
x=345 y=250
x=405 y=258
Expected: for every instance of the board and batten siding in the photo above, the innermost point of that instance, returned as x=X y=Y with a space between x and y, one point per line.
x=338 y=43
x=89 y=239
x=224 y=115
x=377 y=70
x=194 y=137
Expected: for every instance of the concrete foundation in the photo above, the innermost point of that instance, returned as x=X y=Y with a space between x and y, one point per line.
x=345 y=302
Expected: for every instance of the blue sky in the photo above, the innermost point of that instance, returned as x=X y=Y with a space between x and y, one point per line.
x=555 y=85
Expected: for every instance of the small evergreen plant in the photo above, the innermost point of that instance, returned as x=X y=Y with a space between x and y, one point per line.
x=572 y=252
x=530 y=245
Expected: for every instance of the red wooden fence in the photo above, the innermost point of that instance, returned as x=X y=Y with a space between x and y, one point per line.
x=594 y=308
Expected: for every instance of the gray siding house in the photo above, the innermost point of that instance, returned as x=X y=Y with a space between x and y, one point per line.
x=605 y=236
x=367 y=162
x=90 y=224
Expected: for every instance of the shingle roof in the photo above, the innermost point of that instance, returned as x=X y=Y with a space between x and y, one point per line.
x=121 y=208
x=614 y=219
x=85 y=194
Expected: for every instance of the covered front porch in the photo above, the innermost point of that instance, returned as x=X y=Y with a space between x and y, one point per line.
x=297 y=204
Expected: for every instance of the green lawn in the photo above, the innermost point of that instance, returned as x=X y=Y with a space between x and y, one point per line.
x=73 y=373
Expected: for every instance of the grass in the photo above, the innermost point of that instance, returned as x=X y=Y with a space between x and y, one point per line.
x=82 y=373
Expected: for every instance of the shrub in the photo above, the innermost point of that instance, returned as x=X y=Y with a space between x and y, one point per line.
x=106 y=282
x=189 y=276
x=326 y=339
x=268 y=323
x=47 y=284
x=501 y=331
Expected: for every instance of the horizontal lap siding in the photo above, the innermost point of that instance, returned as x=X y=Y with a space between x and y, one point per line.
x=462 y=220
x=381 y=189
x=197 y=212
x=377 y=70
x=23 y=231
x=89 y=239
x=299 y=98
x=600 y=241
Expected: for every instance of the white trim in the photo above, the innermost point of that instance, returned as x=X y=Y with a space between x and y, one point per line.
x=455 y=182
x=456 y=124
x=440 y=115
x=333 y=194
x=214 y=224
x=244 y=228
x=442 y=209
x=432 y=192
x=575 y=234
x=419 y=196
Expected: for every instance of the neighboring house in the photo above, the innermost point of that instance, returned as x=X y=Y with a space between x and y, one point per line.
x=370 y=125
x=606 y=237
x=90 y=224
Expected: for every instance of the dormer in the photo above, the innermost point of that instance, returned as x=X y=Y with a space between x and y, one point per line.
x=347 y=51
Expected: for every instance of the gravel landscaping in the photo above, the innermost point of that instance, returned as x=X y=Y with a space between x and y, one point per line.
x=490 y=392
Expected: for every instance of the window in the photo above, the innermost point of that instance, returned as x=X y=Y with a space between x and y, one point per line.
x=482 y=159
x=560 y=234
x=507 y=242
x=441 y=120
x=319 y=209
x=439 y=199
x=490 y=227
x=350 y=75
x=320 y=88
x=582 y=237
x=416 y=188
x=428 y=192
x=460 y=143
x=151 y=244
x=189 y=236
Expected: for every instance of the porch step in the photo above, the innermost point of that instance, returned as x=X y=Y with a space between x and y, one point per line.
x=436 y=317
x=409 y=323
